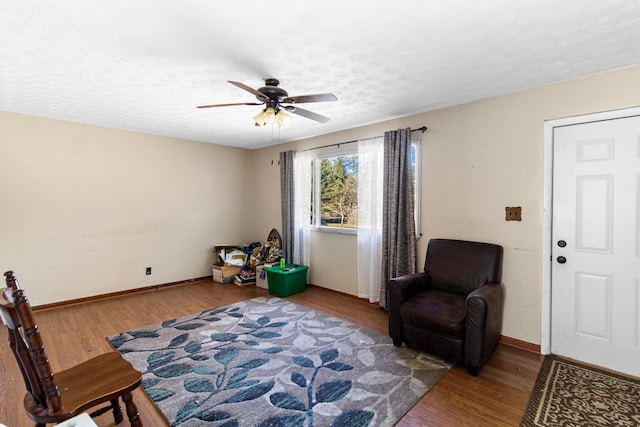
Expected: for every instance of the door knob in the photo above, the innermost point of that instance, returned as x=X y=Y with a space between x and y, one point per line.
x=561 y=260
x=562 y=243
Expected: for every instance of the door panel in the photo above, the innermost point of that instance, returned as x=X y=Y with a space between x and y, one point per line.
x=596 y=269
x=593 y=305
x=594 y=208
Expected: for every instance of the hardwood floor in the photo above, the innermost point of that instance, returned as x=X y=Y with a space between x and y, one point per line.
x=74 y=333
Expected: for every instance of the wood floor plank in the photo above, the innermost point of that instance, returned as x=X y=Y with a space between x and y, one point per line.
x=74 y=333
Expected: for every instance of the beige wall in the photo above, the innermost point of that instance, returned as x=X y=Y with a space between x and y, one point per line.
x=478 y=158
x=85 y=209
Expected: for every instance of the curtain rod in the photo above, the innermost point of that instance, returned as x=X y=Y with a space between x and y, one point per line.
x=422 y=129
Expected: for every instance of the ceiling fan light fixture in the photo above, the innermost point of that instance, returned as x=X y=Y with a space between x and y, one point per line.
x=269 y=116
x=282 y=118
x=259 y=118
x=266 y=116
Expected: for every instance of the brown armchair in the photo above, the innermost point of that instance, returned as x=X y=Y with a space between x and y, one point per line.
x=454 y=308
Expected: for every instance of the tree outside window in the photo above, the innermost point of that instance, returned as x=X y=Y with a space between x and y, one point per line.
x=338 y=191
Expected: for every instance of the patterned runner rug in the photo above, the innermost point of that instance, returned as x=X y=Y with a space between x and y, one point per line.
x=269 y=362
x=570 y=394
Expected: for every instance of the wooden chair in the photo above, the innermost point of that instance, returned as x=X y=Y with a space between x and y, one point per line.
x=53 y=398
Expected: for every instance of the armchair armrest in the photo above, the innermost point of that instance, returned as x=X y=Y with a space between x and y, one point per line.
x=399 y=289
x=484 y=324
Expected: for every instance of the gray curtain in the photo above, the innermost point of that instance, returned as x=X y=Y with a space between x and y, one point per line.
x=398 y=222
x=288 y=205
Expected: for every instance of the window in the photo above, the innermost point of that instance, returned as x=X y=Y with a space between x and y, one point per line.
x=416 y=169
x=335 y=196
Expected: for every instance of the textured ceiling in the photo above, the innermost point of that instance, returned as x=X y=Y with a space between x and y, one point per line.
x=144 y=65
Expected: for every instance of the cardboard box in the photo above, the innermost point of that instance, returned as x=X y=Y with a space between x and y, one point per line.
x=262 y=280
x=225 y=273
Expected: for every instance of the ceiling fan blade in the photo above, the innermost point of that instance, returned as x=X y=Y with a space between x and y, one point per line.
x=320 y=97
x=229 y=105
x=260 y=95
x=306 y=113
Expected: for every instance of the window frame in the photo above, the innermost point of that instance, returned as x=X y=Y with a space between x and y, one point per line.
x=416 y=145
x=315 y=190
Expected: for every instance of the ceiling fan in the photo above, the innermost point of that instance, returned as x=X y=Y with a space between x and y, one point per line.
x=274 y=97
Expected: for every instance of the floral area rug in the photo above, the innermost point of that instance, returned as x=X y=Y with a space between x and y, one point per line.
x=269 y=362
x=571 y=394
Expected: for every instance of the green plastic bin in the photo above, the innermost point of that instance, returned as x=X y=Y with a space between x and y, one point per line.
x=288 y=281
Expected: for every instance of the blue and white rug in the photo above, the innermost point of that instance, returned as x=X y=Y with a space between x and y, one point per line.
x=269 y=362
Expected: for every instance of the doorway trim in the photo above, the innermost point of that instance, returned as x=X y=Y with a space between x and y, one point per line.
x=547 y=208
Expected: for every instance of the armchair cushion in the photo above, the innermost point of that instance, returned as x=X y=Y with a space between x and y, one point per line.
x=436 y=311
x=461 y=266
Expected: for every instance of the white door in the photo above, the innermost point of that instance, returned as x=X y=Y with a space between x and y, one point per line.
x=595 y=274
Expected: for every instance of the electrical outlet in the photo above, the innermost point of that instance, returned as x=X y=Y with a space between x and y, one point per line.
x=148 y=272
